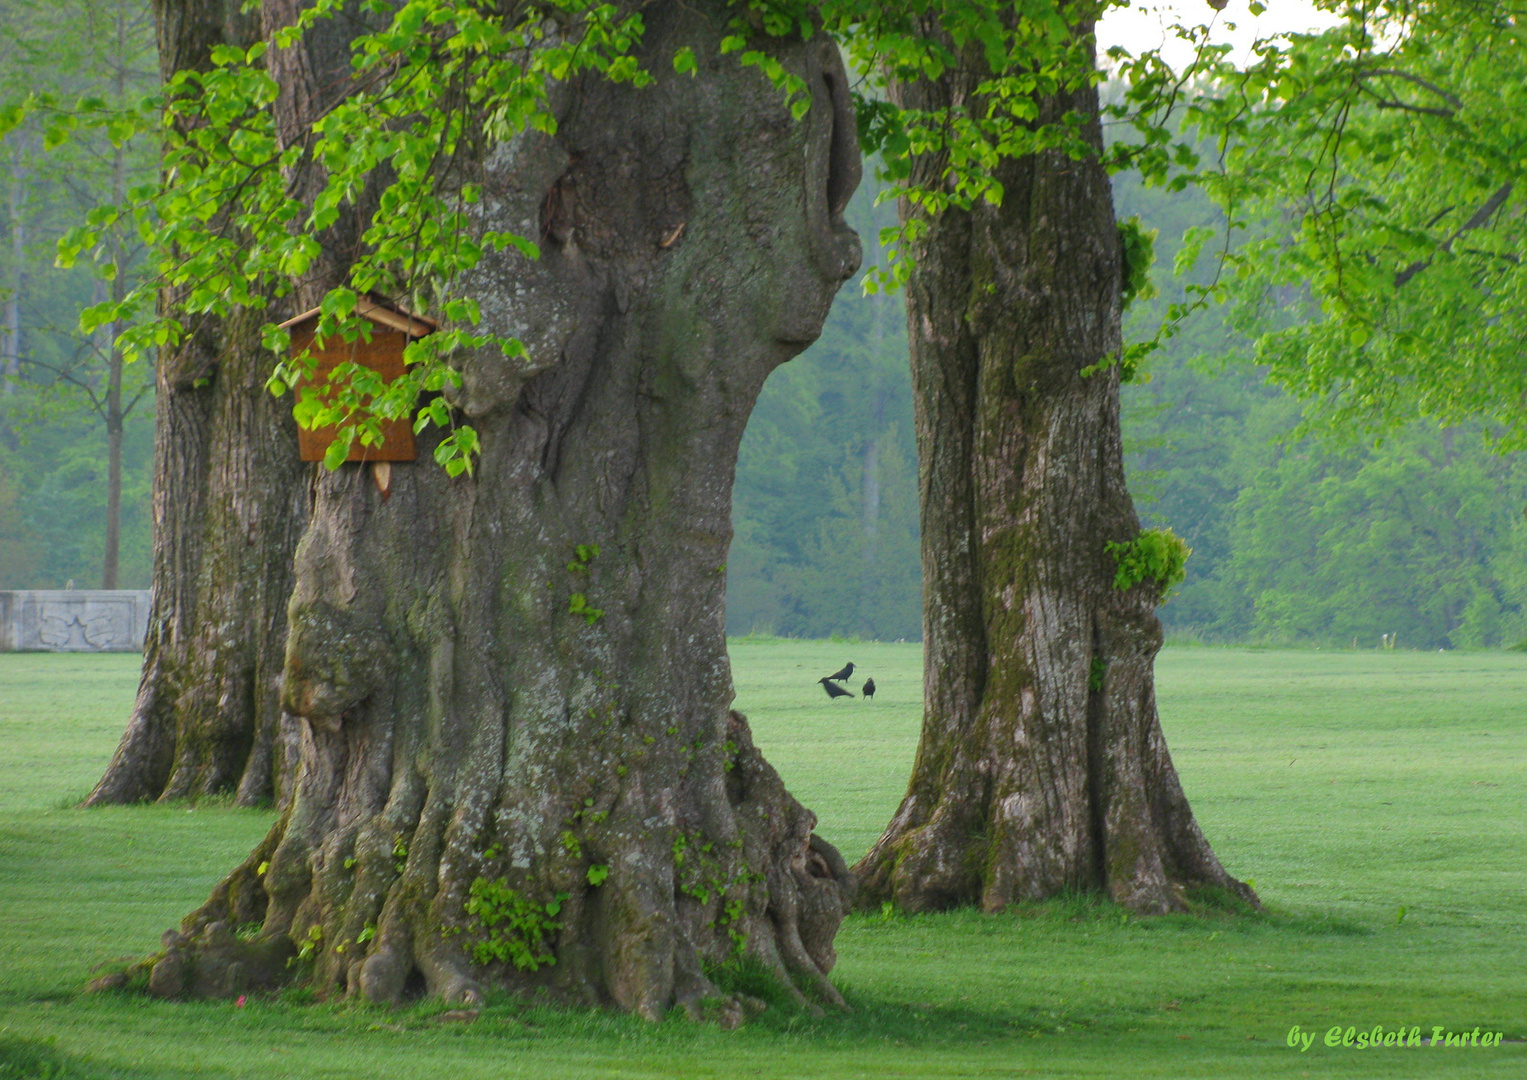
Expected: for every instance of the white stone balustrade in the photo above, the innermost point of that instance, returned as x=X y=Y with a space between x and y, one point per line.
x=73 y=620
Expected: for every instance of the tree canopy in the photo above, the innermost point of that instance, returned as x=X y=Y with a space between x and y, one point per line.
x=1370 y=167
x=58 y=387
x=1374 y=170
x=240 y=216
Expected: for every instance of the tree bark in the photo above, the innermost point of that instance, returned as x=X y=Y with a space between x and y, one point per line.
x=513 y=686
x=1041 y=767
x=230 y=501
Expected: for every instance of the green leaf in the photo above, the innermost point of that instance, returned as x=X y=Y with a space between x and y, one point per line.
x=338 y=451
x=13 y=115
x=59 y=129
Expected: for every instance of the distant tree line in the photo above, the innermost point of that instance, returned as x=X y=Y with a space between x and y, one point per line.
x=825 y=507
x=1297 y=539
x=1304 y=542
x=1319 y=537
x=76 y=424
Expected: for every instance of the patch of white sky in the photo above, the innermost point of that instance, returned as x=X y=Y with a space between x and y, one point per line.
x=1147 y=24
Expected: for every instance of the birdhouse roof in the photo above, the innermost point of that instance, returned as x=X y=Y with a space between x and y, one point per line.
x=379 y=312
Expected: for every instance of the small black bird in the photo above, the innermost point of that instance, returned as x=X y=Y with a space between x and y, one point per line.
x=848 y=670
x=833 y=689
x=869 y=688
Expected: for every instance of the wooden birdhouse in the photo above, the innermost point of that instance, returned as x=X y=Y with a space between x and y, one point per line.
x=391 y=331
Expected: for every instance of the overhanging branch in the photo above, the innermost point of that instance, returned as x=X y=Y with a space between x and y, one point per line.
x=1482 y=215
x=1427 y=110
x=1452 y=99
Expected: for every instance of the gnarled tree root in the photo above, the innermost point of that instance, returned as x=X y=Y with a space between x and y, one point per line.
x=746 y=879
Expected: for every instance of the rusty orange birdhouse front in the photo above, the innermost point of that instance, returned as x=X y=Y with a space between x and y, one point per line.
x=392 y=330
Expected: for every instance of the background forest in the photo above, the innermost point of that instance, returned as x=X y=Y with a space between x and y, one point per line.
x=1333 y=538
x=1329 y=539
x=68 y=405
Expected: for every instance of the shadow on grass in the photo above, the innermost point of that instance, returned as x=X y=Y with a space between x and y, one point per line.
x=896 y=1016
x=507 y=1021
x=1212 y=910
x=219 y=800
x=894 y=1020
x=40 y=1059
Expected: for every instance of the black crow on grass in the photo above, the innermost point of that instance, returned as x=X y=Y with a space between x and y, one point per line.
x=848 y=670
x=833 y=689
x=869 y=688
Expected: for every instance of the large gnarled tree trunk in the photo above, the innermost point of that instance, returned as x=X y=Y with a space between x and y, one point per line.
x=513 y=686
x=1041 y=767
x=230 y=502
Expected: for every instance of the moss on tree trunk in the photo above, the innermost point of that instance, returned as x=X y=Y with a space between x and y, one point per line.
x=1041 y=767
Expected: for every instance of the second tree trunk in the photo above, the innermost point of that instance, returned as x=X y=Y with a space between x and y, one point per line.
x=230 y=500
x=1042 y=768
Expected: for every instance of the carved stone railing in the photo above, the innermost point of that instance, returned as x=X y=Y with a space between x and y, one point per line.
x=70 y=620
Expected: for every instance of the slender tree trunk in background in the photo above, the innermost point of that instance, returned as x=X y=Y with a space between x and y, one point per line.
x=115 y=418
x=870 y=506
x=10 y=344
x=870 y=503
x=1041 y=766
x=230 y=502
x=869 y=509
x=495 y=716
x=114 y=425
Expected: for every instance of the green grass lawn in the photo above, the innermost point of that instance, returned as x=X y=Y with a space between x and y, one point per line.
x=1348 y=786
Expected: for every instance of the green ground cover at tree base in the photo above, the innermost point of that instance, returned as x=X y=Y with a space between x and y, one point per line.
x=1347 y=785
